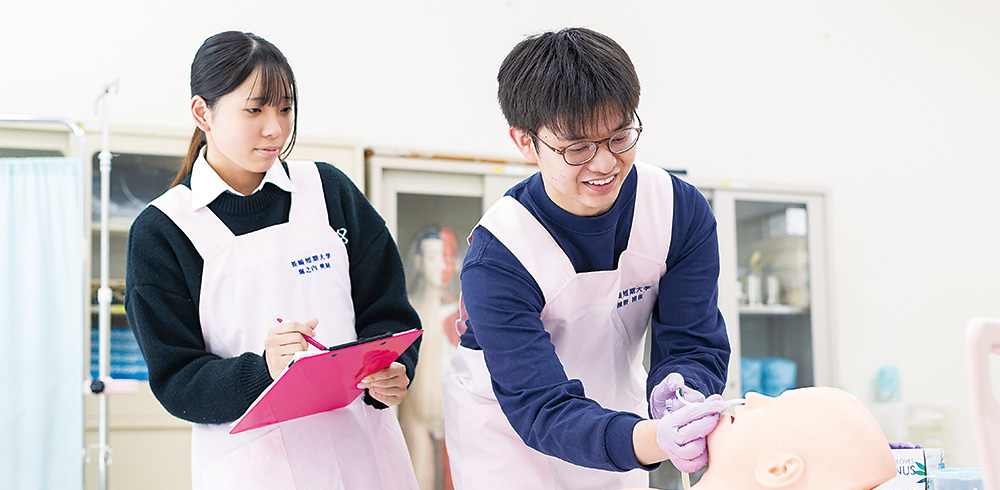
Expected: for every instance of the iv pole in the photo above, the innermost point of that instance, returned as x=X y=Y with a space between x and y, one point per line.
x=97 y=386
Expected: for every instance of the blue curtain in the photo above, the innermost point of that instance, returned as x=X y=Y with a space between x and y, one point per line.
x=41 y=300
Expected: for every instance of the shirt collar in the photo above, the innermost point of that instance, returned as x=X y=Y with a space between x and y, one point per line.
x=206 y=185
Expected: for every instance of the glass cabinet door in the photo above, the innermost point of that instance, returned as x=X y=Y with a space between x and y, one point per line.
x=772 y=289
x=773 y=273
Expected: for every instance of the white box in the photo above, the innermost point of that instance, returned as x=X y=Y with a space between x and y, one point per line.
x=792 y=221
x=912 y=468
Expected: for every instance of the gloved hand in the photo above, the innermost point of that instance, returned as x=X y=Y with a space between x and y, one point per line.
x=664 y=399
x=681 y=433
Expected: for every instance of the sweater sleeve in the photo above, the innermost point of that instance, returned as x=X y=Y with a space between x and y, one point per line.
x=689 y=333
x=550 y=412
x=163 y=277
x=378 y=286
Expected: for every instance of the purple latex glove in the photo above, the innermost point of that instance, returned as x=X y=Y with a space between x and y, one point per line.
x=681 y=433
x=664 y=399
x=904 y=445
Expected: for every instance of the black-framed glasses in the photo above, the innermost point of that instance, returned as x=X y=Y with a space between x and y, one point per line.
x=582 y=152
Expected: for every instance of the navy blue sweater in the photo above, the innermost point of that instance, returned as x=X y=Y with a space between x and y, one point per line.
x=163 y=285
x=550 y=412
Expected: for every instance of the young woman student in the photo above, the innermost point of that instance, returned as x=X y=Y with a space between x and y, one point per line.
x=243 y=238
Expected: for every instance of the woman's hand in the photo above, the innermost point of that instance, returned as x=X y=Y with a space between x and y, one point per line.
x=387 y=385
x=283 y=341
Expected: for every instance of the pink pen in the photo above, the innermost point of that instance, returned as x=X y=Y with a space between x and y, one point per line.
x=310 y=340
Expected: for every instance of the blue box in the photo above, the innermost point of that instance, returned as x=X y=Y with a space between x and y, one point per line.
x=778 y=375
x=768 y=376
x=126 y=361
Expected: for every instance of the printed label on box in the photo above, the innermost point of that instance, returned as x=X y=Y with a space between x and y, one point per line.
x=912 y=467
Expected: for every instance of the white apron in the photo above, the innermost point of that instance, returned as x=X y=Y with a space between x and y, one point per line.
x=597 y=322
x=296 y=270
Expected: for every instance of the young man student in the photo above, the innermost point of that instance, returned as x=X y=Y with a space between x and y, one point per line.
x=560 y=281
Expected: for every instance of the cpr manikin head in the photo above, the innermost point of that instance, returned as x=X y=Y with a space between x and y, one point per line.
x=804 y=439
x=809 y=438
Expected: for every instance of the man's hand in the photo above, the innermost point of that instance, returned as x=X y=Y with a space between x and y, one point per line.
x=664 y=399
x=681 y=433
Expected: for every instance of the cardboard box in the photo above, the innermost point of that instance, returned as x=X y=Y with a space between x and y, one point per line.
x=912 y=467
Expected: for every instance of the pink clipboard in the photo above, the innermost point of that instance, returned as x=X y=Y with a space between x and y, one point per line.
x=325 y=380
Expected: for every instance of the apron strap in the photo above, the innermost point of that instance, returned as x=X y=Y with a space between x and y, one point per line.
x=205 y=230
x=308 y=201
x=530 y=242
x=652 y=220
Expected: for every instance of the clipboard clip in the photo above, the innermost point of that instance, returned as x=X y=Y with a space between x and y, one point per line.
x=345 y=345
x=360 y=341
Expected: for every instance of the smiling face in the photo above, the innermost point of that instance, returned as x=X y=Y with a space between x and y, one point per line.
x=244 y=135
x=590 y=189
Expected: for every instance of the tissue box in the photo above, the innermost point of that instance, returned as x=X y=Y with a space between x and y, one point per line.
x=912 y=468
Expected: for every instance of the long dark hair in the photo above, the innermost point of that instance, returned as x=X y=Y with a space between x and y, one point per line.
x=222 y=63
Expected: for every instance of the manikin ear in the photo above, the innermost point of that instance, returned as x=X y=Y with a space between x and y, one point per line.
x=779 y=472
x=524 y=143
x=199 y=111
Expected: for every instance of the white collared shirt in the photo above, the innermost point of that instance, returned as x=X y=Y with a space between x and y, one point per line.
x=206 y=184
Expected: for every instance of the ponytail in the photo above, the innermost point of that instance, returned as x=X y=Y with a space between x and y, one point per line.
x=194 y=149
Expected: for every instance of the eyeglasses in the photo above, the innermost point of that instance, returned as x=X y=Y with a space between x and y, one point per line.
x=582 y=152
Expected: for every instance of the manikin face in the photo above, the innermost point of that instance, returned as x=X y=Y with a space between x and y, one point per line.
x=584 y=190
x=805 y=438
x=244 y=136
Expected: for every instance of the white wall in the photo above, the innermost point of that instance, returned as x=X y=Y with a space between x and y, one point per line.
x=893 y=105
